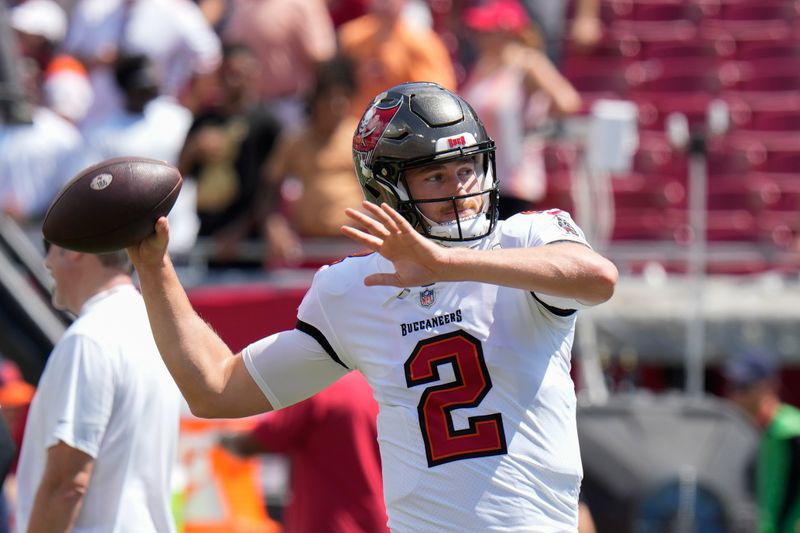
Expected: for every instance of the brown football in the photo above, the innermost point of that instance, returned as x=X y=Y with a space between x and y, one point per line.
x=112 y=205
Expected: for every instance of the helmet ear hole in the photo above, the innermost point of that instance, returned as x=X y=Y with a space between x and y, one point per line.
x=372 y=190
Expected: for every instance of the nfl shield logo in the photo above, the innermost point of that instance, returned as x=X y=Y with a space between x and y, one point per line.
x=427 y=297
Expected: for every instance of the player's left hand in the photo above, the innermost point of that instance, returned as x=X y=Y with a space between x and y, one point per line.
x=417 y=260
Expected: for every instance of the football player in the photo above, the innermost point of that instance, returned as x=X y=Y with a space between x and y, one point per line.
x=462 y=324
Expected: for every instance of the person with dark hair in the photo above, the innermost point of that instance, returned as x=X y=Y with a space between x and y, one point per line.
x=318 y=157
x=224 y=151
x=753 y=385
x=101 y=435
x=461 y=323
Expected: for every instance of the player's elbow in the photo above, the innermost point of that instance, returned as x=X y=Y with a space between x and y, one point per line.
x=205 y=407
x=599 y=281
x=606 y=276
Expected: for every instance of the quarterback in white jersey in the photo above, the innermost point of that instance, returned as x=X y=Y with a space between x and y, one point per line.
x=461 y=323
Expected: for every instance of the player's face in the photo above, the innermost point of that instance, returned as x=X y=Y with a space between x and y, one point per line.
x=446 y=180
x=61 y=267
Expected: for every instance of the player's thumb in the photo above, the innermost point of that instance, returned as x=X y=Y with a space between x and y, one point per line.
x=162 y=228
x=382 y=279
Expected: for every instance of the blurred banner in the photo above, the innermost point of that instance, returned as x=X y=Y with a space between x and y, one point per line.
x=216 y=491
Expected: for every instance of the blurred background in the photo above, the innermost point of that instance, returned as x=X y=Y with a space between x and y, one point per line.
x=669 y=129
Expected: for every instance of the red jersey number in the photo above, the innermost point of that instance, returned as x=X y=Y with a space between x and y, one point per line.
x=444 y=443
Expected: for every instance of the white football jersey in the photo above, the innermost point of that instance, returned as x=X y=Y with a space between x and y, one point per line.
x=477 y=424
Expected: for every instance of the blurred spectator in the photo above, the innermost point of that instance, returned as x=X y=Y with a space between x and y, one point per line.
x=551 y=17
x=331 y=442
x=319 y=160
x=346 y=10
x=101 y=436
x=37 y=156
x=225 y=150
x=513 y=86
x=66 y=88
x=40 y=26
x=174 y=34
x=151 y=126
x=216 y=12
x=752 y=378
x=15 y=399
x=288 y=37
x=387 y=50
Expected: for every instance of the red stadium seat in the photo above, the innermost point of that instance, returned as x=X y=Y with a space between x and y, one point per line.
x=600 y=78
x=735 y=155
x=773 y=75
x=736 y=35
x=768 y=50
x=761 y=10
x=684 y=49
x=653 y=10
x=643 y=191
x=656 y=156
x=655 y=107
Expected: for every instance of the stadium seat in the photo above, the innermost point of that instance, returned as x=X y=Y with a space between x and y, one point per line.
x=655 y=156
x=780 y=74
x=735 y=155
x=752 y=10
x=649 y=224
x=597 y=75
x=653 y=10
x=643 y=191
x=680 y=75
x=684 y=49
x=655 y=107
x=768 y=50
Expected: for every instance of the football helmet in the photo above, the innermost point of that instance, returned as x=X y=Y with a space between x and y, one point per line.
x=413 y=125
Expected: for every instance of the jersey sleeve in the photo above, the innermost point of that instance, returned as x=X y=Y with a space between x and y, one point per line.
x=290 y=366
x=545 y=227
x=86 y=393
x=541 y=228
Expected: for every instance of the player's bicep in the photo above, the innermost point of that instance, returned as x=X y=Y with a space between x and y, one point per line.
x=290 y=366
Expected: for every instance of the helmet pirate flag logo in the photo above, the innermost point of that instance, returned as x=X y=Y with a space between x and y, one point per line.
x=374 y=123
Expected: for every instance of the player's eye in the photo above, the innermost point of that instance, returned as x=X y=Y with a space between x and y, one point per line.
x=46 y=245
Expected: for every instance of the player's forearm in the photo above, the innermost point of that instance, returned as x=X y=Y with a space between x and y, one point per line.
x=195 y=356
x=568 y=270
x=55 y=510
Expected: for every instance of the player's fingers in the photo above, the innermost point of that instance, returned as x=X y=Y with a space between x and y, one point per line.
x=379 y=214
x=370 y=241
x=374 y=226
x=397 y=219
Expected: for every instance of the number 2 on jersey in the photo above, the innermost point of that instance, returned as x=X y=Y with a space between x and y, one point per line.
x=444 y=443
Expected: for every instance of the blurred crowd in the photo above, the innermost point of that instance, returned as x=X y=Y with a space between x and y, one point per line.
x=256 y=101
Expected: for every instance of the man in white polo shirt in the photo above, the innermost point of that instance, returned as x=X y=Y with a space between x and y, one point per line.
x=101 y=436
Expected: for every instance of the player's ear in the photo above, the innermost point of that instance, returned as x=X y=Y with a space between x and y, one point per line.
x=74 y=256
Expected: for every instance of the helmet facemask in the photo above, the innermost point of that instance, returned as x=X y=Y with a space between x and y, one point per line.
x=460 y=229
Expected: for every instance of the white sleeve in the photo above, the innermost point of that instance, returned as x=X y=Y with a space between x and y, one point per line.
x=291 y=366
x=554 y=225
x=85 y=391
x=547 y=227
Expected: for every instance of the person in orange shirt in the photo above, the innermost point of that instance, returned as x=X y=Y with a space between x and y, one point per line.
x=388 y=50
